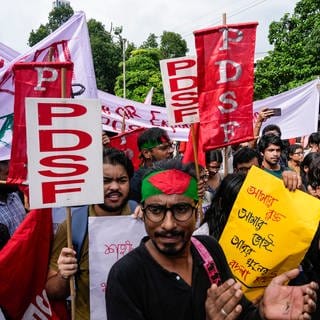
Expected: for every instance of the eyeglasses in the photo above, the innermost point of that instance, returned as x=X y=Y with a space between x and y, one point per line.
x=298 y=153
x=180 y=211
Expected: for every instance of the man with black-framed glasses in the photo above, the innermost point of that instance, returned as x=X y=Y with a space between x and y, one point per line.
x=154 y=145
x=175 y=276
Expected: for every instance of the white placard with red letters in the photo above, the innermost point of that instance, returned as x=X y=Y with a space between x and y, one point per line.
x=64 y=148
x=179 y=78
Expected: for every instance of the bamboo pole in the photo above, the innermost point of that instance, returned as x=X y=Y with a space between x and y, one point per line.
x=225 y=149
x=69 y=217
x=196 y=163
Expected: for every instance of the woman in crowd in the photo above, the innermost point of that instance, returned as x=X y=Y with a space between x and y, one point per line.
x=295 y=157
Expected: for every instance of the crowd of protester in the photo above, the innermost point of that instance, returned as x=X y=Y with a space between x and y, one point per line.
x=176 y=188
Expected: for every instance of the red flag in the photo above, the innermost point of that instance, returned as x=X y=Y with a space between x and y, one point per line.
x=127 y=142
x=225 y=84
x=24 y=266
x=188 y=155
x=37 y=79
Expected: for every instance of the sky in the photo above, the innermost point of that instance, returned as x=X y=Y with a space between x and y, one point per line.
x=139 y=18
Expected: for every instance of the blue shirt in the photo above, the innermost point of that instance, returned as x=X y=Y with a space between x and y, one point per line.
x=12 y=212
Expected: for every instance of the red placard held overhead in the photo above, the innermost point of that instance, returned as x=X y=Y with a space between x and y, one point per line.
x=225 y=61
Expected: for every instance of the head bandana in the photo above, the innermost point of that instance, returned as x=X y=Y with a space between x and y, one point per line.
x=171 y=181
x=154 y=143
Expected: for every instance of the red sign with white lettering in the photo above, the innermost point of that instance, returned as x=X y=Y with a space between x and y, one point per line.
x=225 y=60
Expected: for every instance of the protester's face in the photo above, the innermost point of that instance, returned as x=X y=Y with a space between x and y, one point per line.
x=271 y=154
x=297 y=156
x=116 y=187
x=213 y=168
x=245 y=167
x=170 y=237
x=162 y=151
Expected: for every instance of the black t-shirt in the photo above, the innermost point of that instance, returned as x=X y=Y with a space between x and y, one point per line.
x=138 y=288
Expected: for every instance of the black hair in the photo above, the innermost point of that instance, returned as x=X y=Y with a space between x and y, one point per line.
x=314 y=173
x=117 y=157
x=314 y=138
x=244 y=155
x=292 y=148
x=306 y=162
x=218 y=213
x=268 y=139
x=213 y=155
x=271 y=127
x=153 y=134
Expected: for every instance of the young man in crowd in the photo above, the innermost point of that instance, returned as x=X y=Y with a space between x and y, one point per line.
x=165 y=277
x=154 y=145
x=270 y=147
x=117 y=171
x=244 y=159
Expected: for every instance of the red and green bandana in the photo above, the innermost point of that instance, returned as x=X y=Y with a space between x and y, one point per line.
x=170 y=181
x=154 y=143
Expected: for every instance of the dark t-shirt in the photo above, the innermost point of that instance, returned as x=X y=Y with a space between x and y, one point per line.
x=138 y=288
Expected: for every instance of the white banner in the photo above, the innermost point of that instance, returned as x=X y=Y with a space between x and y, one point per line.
x=110 y=238
x=299 y=110
x=179 y=79
x=64 y=151
x=137 y=115
x=69 y=42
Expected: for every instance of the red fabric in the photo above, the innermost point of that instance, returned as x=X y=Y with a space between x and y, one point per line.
x=127 y=142
x=171 y=181
x=26 y=79
x=188 y=155
x=24 y=266
x=225 y=96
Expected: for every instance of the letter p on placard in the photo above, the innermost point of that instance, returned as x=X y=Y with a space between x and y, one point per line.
x=64 y=151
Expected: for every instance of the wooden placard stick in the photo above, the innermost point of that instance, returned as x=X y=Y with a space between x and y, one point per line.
x=69 y=216
x=196 y=163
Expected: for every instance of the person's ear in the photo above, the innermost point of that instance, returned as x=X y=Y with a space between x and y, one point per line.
x=146 y=153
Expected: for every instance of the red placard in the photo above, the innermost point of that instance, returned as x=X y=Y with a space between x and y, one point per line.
x=225 y=59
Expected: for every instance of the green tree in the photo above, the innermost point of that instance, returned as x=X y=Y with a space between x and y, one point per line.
x=106 y=54
x=142 y=73
x=151 y=42
x=172 y=45
x=56 y=18
x=295 y=57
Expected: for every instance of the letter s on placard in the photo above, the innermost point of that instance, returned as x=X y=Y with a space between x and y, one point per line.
x=53 y=162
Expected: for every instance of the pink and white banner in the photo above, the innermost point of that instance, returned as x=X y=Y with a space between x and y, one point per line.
x=137 y=115
x=70 y=42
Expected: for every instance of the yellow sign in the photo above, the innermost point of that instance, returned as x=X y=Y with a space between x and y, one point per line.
x=268 y=231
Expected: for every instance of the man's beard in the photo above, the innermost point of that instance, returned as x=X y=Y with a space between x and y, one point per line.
x=171 y=250
x=111 y=209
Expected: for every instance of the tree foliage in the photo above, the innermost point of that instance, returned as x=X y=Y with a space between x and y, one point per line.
x=295 y=57
x=172 y=45
x=151 y=42
x=106 y=54
x=56 y=18
x=142 y=73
